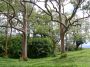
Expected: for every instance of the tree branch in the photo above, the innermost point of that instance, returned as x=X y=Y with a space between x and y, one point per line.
x=12 y=27
x=75 y=10
x=13 y=15
x=37 y=6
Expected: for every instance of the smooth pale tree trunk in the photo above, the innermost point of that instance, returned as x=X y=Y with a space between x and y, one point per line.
x=24 y=46
x=24 y=33
x=24 y=40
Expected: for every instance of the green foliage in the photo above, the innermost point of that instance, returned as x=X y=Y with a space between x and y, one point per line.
x=3 y=6
x=79 y=37
x=15 y=47
x=1 y=51
x=2 y=45
x=64 y=55
x=70 y=47
x=40 y=47
x=42 y=29
x=37 y=47
x=40 y=23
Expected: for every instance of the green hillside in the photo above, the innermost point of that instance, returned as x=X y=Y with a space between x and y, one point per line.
x=75 y=59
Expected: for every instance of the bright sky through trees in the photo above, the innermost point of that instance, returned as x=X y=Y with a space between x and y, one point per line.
x=68 y=7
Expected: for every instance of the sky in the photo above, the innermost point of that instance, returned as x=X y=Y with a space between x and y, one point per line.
x=86 y=45
x=68 y=8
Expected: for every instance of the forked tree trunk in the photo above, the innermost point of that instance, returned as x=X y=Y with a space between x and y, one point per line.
x=24 y=39
x=61 y=28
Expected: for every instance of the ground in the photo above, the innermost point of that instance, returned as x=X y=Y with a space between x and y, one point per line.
x=79 y=58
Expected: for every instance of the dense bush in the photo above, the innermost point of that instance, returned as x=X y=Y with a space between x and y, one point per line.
x=15 y=47
x=2 y=45
x=1 y=51
x=40 y=47
x=37 y=47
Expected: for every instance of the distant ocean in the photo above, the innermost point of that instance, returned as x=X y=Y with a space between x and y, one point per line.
x=86 y=45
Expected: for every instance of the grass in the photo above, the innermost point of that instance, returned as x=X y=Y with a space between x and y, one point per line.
x=74 y=59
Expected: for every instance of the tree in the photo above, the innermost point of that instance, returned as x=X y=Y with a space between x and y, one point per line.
x=6 y=8
x=79 y=40
x=45 y=28
x=65 y=21
x=18 y=22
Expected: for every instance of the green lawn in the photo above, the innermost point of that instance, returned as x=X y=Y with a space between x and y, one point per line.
x=75 y=59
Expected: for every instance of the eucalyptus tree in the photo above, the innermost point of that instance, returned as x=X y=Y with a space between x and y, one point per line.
x=56 y=10
x=18 y=17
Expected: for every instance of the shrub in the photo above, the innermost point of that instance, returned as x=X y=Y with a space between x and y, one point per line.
x=64 y=55
x=2 y=45
x=15 y=47
x=1 y=51
x=37 y=47
x=40 y=47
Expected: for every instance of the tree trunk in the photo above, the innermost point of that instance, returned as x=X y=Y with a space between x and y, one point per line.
x=24 y=33
x=6 y=31
x=24 y=46
x=61 y=28
x=62 y=43
x=62 y=38
x=24 y=40
x=6 y=41
x=77 y=47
